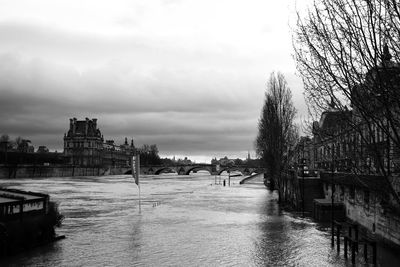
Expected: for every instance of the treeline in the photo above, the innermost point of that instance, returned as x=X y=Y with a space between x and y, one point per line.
x=240 y=162
x=149 y=155
x=18 y=144
x=19 y=151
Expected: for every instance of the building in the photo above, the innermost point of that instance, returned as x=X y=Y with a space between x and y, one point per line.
x=84 y=146
x=303 y=154
x=358 y=152
x=333 y=141
x=366 y=139
x=42 y=149
x=117 y=155
x=83 y=143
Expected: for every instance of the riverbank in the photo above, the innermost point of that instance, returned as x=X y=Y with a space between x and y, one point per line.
x=359 y=212
x=40 y=171
x=255 y=178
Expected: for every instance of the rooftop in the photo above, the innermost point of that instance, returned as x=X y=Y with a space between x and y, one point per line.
x=18 y=194
x=7 y=200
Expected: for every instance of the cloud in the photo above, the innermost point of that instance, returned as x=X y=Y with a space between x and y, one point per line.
x=174 y=109
x=188 y=76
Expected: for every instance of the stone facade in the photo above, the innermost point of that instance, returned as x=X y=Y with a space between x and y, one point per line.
x=303 y=154
x=366 y=201
x=349 y=167
x=357 y=152
x=83 y=143
x=334 y=144
x=84 y=146
x=117 y=155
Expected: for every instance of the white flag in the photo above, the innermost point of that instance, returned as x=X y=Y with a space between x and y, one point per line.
x=136 y=168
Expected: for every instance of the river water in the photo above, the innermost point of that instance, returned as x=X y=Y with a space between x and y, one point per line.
x=182 y=221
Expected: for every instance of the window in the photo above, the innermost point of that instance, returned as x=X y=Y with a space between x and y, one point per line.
x=352 y=192
x=378 y=134
x=366 y=197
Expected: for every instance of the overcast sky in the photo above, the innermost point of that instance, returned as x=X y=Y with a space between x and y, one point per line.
x=187 y=75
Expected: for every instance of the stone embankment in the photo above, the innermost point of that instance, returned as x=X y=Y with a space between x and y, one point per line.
x=255 y=178
x=365 y=200
x=36 y=171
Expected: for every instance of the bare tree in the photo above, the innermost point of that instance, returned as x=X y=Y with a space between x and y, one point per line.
x=346 y=52
x=149 y=155
x=154 y=149
x=275 y=127
x=6 y=142
x=22 y=144
x=5 y=145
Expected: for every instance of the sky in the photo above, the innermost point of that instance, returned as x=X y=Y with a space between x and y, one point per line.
x=189 y=76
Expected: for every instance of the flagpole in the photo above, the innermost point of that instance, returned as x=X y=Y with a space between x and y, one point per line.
x=137 y=179
x=135 y=174
x=140 y=205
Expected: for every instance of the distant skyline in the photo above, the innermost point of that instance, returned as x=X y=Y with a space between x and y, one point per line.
x=189 y=76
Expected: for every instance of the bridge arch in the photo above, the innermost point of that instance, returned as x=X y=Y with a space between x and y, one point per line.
x=231 y=169
x=161 y=170
x=198 y=168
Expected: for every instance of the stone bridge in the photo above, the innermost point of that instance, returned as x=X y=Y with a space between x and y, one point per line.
x=187 y=169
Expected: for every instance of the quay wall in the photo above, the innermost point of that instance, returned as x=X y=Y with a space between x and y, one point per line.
x=369 y=209
x=376 y=220
x=31 y=171
x=298 y=192
x=366 y=202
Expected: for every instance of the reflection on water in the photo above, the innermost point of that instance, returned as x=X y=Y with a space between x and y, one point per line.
x=184 y=221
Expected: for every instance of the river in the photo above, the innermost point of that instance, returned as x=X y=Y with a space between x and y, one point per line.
x=182 y=221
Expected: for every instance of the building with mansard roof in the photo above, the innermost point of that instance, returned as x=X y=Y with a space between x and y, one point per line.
x=84 y=146
x=357 y=152
x=333 y=140
x=83 y=143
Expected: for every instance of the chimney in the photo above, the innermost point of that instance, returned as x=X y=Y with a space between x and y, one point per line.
x=86 y=125
x=74 y=125
x=95 y=123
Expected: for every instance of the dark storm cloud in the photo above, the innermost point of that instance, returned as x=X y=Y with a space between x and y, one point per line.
x=156 y=71
x=178 y=110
